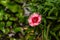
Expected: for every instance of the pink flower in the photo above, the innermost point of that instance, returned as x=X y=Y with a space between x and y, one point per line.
x=34 y=19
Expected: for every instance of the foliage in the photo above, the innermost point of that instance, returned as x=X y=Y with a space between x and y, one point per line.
x=14 y=15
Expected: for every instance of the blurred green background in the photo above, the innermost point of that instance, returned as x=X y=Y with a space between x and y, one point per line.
x=14 y=24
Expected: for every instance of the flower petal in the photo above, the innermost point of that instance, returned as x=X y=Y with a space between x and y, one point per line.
x=34 y=15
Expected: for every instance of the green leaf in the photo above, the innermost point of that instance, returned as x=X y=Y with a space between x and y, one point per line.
x=51 y=10
x=46 y=9
x=57 y=27
x=7 y=31
x=8 y=23
x=44 y=34
x=1 y=14
x=12 y=18
x=20 y=16
x=6 y=16
x=58 y=20
x=2 y=24
x=17 y=29
x=53 y=33
x=13 y=7
x=51 y=0
x=4 y=2
x=3 y=29
x=49 y=4
x=31 y=37
x=53 y=18
x=44 y=20
x=20 y=1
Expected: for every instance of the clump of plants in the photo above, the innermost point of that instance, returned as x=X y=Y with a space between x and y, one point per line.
x=29 y=19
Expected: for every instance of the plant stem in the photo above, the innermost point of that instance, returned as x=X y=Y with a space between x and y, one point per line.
x=48 y=30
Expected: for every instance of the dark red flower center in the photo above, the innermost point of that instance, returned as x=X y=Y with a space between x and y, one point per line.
x=34 y=19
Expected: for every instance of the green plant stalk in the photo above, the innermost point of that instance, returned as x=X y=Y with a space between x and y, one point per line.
x=54 y=35
x=51 y=11
x=48 y=29
x=45 y=32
